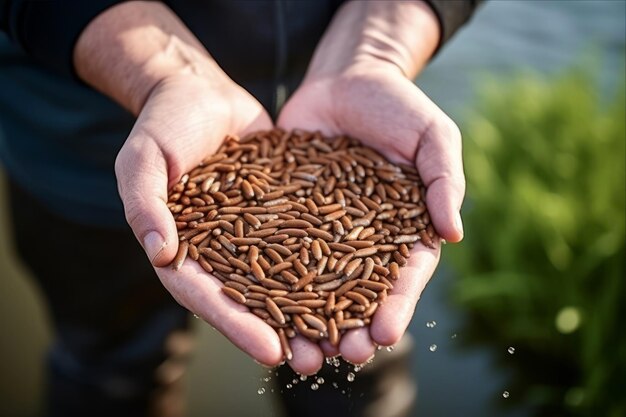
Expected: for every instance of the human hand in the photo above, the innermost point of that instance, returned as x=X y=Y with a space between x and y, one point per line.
x=373 y=100
x=142 y=56
x=184 y=120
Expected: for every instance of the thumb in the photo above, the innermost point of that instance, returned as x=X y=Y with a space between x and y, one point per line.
x=141 y=171
x=440 y=162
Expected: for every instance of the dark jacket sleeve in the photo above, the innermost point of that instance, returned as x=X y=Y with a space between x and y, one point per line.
x=48 y=29
x=452 y=14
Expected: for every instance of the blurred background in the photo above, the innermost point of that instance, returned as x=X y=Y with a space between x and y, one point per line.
x=525 y=316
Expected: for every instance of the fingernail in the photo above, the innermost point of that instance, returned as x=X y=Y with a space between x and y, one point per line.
x=153 y=244
x=459 y=224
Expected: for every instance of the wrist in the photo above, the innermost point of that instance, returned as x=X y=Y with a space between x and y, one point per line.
x=399 y=36
x=130 y=48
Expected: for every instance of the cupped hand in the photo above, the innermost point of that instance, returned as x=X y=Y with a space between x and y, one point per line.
x=184 y=120
x=387 y=111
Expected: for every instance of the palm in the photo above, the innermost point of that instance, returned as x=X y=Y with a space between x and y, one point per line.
x=390 y=114
x=183 y=121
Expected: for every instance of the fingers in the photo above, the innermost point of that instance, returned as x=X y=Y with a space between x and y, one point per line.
x=357 y=346
x=328 y=349
x=141 y=173
x=440 y=163
x=201 y=293
x=392 y=318
x=165 y=143
x=307 y=356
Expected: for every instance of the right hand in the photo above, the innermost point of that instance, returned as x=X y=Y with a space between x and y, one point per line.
x=184 y=120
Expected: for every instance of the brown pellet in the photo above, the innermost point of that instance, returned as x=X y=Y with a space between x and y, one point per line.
x=322 y=234
x=315 y=221
x=193 y=252
x=278 y=293
x=304 y=256
x=316 y=249
x=404 y=251
x=328 y=286
x=234 y=294
x=361 y=253
x=257 y=271
x=370 y=310
x=227 y=244
x=282 y=301
x=352 y=267
x=254 y=303
x=313 y=304
x=275 y=311
x=296 y=223
x=298 y=309
x=273 y=284
x=189 y=217
x=236 y=285
x=308 y=232
x=213 y=255
x=289 y=277
x=350 y=324
x=334 y=215
x=307 y=295
x=181 y=254
x=237 y=263
x=321 y=265
x=341 y=247
x=263 y=233
x=394 y=271
x=400 y=260
x=366 y=292
x=304 y=281
x=205 y=264
x=333 y=332
x=253 y=254
x=294 y=232
x=314 y=322
x=357 y=297
x=426 y=239
x=373 y=285
x=343 y=262
x=329 y=306
x=222 y=268
x=345 y=288
x=276 y=269
x=258 y=288
x=284 y=344
x=245 y=241
x=263 y=263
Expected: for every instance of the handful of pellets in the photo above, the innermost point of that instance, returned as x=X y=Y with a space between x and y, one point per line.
x=308 y=232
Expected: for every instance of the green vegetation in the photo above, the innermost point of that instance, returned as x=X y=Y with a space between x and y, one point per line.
x=543 y=266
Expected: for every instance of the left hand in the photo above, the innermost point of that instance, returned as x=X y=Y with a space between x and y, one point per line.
x=379 y=106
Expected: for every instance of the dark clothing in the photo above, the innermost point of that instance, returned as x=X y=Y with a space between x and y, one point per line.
x=452 y=14
x=113 y=320
x=46 y=31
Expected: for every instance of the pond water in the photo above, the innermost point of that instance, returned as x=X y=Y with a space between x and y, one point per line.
x=503 y=38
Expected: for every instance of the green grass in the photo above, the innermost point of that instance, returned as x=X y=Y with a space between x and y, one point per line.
x=545 y=238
